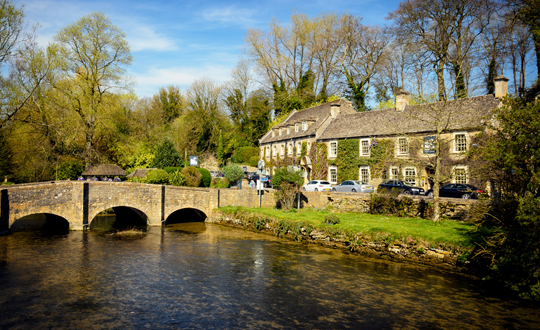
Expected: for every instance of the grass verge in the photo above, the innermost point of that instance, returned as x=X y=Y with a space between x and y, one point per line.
x=355 y=226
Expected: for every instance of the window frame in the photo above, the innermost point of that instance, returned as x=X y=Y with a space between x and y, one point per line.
x=408 y=168
x=360 y=168
x=296 y=127
x=361 y=148
x=455 y=145
x=465 y=174
x=393 y=173
x=330 y=169
x=304 y=126
x=282 y=151
x=274 y=150
x=331 y=152
x=290 y=149
x=398 y=146
x=298 y=147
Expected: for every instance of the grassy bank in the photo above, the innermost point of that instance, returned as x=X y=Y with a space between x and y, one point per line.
x=354 y=226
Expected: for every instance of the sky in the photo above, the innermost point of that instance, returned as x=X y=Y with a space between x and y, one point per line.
x=176 y=42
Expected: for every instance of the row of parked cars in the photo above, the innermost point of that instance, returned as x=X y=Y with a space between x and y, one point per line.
x=454 y=190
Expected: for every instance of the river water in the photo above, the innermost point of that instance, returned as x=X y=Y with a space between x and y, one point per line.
x=204 y=276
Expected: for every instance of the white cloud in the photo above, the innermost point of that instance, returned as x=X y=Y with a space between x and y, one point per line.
x=229 y=15
x=144 y=37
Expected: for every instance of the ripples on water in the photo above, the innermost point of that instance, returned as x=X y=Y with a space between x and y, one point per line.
x=199 y=276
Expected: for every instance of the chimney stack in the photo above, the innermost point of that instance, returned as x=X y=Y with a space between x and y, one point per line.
x=402 y=100
x=334 y=109
x=501 y=86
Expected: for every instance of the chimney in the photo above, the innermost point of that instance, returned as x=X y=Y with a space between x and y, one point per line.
x=501 y=86
x=402 y=100
x=334 y=109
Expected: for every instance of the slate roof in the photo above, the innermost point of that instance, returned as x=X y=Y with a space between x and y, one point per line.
x=461 y=114
x=105 y=170
x=316 y=115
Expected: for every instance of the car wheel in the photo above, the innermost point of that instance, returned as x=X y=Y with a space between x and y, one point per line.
x=466 y=196
x=353 y=190
x=406 y=192
x=334 y=189
x=303 y=188
x=316 y=189
x=430 y=194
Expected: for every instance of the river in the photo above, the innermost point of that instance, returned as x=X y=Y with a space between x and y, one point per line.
x=204 y=276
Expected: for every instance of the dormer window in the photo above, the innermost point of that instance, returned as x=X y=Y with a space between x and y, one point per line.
x=280 y=131
x=304 y=126
x=288 y=129
x=296 y=127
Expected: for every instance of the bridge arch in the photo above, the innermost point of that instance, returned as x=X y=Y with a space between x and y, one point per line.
x=38 y=220
x=123 y=216
x=186 y=214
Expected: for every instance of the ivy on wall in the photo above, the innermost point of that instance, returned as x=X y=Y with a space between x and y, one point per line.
x=303 y=150
x=348 y=158
x=319 y=161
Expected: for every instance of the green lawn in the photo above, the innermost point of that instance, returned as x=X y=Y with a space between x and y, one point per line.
x=454 y=233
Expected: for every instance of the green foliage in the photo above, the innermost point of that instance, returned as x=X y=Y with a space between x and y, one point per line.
x=287 y=182
x=166 y=155
x=171 y=103
x=220 y=151
x=6 y=155
x=176 y=178
x=322 y=101
x=70 y=169
x=331 y=219
x=172 y=169
x=157 y=177
x=244 y=154
x=233 y=172
x=319 y=161
x=391 y=204
x=193 y=176
x=206 y=177
x=254 y=161
x=303 y=150
x=219 y=183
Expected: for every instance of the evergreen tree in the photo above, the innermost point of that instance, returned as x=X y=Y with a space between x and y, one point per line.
x=166 y=155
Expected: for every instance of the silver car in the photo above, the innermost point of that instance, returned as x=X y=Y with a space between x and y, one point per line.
x=354 y=186
x=317 y=185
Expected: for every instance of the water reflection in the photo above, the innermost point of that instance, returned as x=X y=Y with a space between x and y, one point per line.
x=196 y=275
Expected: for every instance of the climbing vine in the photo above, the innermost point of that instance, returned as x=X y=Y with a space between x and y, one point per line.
x=319 y=161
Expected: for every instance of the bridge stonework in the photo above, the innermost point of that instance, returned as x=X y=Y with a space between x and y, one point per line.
x=79 y=202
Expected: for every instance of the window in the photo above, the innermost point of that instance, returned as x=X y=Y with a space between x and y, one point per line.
x=332 y=172
x=308 y=146
x=296 y=127
x=364 y=174
x=364 y=147
x=333 y=149
x=280 y=131
x=304 y=126
x=273 y=132
x=410 y=175
x=290 y=149
x=460 y=175
x=403 y=146
x=460 y=142
x=267 y=171
x=274 y=153
x=282 y=150
x=288 y=129
x=298 y=148
x=394 y=173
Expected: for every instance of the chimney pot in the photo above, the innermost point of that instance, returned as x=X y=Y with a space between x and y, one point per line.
x=402 y=100
x=501 y=86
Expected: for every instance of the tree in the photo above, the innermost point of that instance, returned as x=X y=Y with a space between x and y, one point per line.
x=528 y=11
x=93 y=55
x=170 y=100
x=233 y=172
x=287 y=182
x=6 y=165
x=166 y=155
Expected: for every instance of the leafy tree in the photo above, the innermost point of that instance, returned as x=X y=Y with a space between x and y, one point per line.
x=171 y=102
x=166 y=155
x=220 y=150
x=288 y=184
x=6 y=164
x=93 y=55
x=70 y=169
x=176 y=178
x=233 y=172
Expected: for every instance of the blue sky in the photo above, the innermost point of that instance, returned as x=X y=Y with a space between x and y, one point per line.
x=176 y=42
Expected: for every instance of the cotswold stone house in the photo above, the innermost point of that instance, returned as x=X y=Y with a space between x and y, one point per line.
x=372 y=146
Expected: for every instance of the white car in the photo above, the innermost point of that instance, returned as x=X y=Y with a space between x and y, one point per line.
x=317 y=185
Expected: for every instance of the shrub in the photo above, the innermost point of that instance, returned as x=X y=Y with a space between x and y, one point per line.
x=233 y=172
x=206 y=177
x=254 y=161
x=244 y=154
x=331 y=219
x=288 y=183
x=157 y=177
x=192 y=175
x=166 y=155
x=177 y=179
x=219 y=183
x=70 y=169
x=171 y=169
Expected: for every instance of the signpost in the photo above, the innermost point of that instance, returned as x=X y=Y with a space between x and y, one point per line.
x=260 y=166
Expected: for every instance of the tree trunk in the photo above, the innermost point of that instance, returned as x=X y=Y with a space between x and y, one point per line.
x=491 y=76
x=440 y=81
x=461 y=88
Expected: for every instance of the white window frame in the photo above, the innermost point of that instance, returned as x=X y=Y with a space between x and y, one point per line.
x=296 y=127
x=299 y=148
x=362 y=153
x=454 y=175
x=398 y=146
x=360 y=176
x=288 y=129
x=393 y=173
x=330 y=176
x=267 y=151
x=274 y=150
x=282 y=152
x=308 y=146
x=304 y=126
x=405 y=176
x=267 y=171
x=290 y=148
x=456 y=145
x=332 y=152
x=280 y=131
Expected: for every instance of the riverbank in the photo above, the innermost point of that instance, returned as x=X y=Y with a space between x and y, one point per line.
x=448 y=244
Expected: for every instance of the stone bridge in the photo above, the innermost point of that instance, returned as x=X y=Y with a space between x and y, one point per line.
x=79 y=202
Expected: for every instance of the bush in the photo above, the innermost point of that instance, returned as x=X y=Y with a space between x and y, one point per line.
x=192 y=175
x=244 y=154
x=233 y=172
x=70 y=169
x=171 y=169
x=254 y=161
x=331 y=219
x=157 y=177
x=391 y=204
x=166 y=155
x=287 y=182
x=177 y=179
x=206 y=177
x=219 y=183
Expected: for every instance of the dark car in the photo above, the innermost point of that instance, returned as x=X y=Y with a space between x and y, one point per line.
x=457 y=190
x=401 y=186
